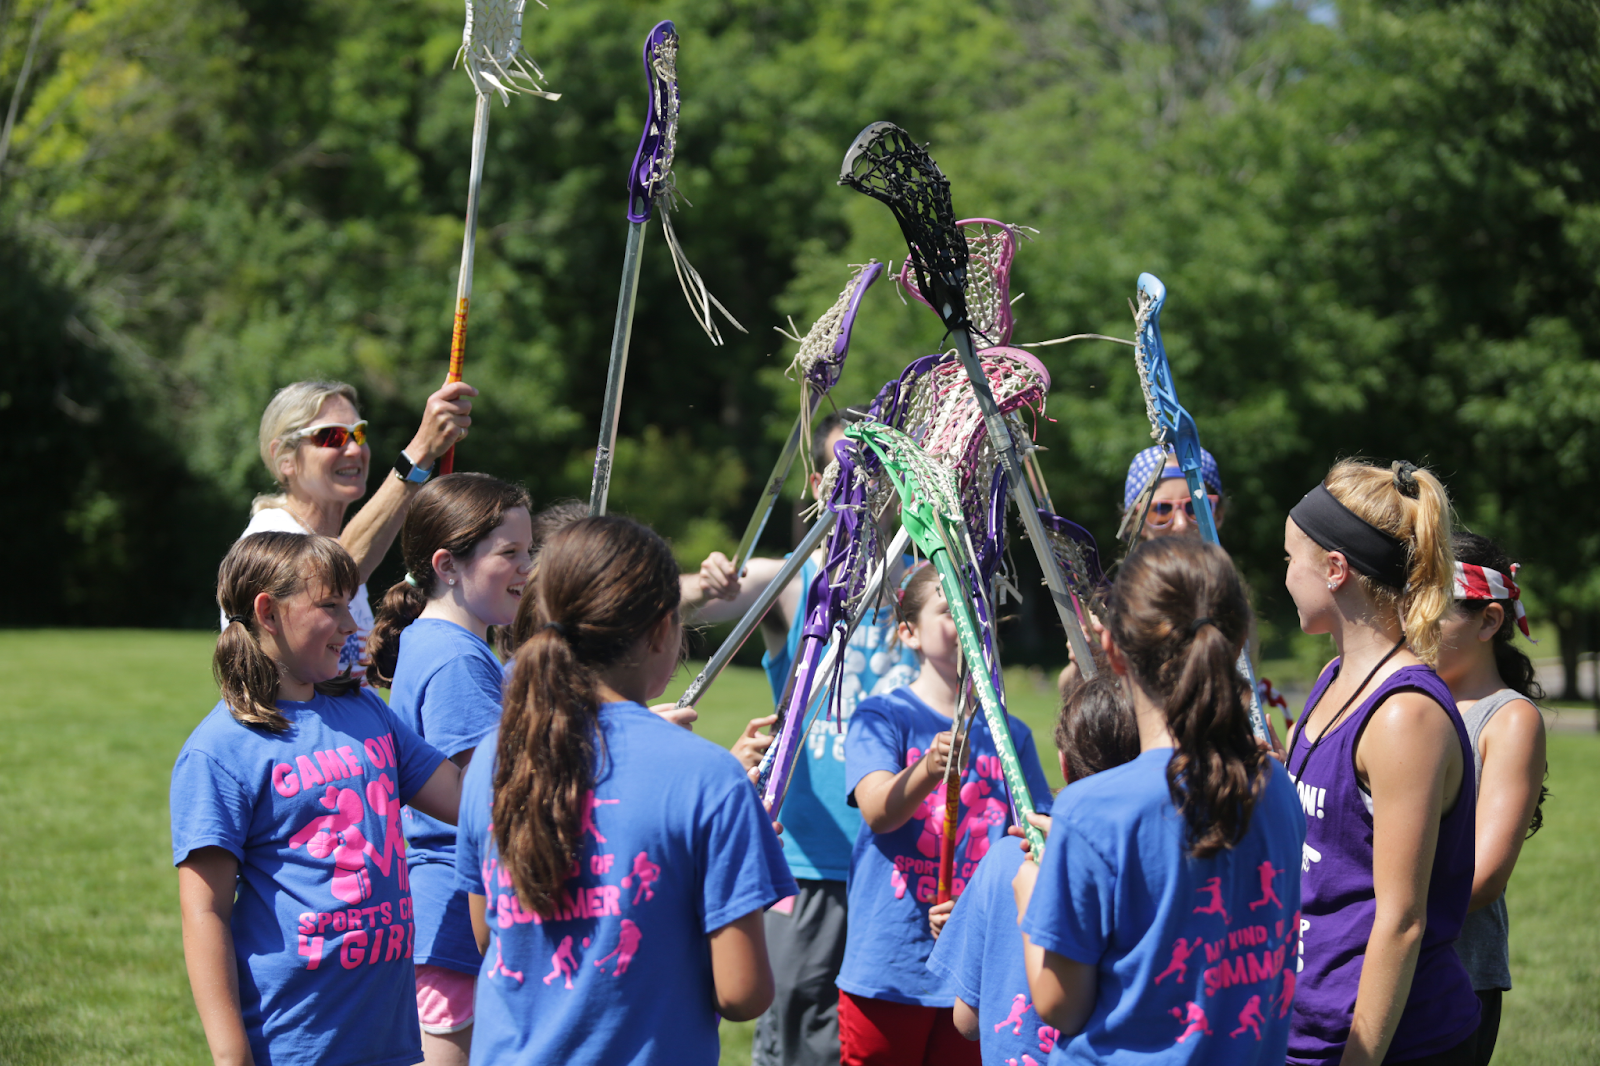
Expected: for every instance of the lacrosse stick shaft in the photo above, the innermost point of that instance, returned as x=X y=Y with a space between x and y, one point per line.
x=752 y=617
x=869 y=599
x=1000 y=438
x=469 y=246
x=621 y=334
x=994 y=714
x=769 y=498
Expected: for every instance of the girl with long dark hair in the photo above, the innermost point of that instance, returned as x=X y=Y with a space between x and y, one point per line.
x=1160 y=925
x=466 y=545
x=617 y=866
x=1494 y=684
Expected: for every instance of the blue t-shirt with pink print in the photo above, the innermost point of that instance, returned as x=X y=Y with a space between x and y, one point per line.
x=894 y=876
x=980 y=953
x=676 y=845
x=1194 y=957
x=322 y=925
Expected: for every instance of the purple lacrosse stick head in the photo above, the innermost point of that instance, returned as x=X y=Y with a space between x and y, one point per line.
x=824 y=373
x=1095 y=576
x=651 y=173
x=887 y=407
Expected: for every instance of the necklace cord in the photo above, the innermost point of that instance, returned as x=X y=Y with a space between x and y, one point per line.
x=1339 y=716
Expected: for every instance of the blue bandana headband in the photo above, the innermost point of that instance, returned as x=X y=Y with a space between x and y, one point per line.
x=1143 y=468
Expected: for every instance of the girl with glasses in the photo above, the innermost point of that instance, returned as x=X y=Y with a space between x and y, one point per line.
x=1171 y=511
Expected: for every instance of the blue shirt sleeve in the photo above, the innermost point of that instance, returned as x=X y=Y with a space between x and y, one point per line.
x=958 y=953
x=875 y=742
x=472 y=826
x=416 y=759
x=210 y=808
x=1072 y=910
x=461 y=702
x=745 y=868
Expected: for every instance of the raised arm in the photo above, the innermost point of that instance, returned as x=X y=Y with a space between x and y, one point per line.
x=1411 y=760
x=888 y=801
x=205 y=898
x=1513 y=747
x=368 y=535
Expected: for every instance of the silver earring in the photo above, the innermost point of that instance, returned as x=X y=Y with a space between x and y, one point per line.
x=453 y=581
x=1331 y=586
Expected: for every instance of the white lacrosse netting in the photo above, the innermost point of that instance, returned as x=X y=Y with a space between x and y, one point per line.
x=949 y=424
x=991 y=247
x=1141 y=359
x=491 y=50
x=817 y=363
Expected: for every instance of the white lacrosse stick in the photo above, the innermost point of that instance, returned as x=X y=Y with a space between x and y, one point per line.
x=491 y=50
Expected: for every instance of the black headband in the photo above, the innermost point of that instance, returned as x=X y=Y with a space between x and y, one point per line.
x=1380 y=555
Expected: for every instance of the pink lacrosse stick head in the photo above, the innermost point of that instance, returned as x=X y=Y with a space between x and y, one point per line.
x=991 y=245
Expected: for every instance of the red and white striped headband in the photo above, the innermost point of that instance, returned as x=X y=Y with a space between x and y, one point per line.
x=1481 y=583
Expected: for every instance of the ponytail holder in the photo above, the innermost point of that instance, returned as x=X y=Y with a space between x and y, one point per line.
x=412 y=581
x=232 y=618
x=1405 y=479
x=561 y=630
x=1207 y=620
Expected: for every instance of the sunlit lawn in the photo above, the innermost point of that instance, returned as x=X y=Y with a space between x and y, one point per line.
x=91 y=967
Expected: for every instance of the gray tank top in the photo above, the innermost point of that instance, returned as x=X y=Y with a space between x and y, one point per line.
x=1482 y=945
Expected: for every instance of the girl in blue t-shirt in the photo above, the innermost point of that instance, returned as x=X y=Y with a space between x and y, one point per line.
x=297 y=925
x=467 y=544
x=979 y=949
x=892 y=1009
x=1163 y=924
x=617 y=865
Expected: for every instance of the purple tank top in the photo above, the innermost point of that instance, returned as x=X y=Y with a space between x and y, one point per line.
x=1337 y=900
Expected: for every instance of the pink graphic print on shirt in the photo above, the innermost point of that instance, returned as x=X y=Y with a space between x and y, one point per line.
x=897 y=880
x=1250 y=1018
x=628 y=938
x=983 y=813
x=1181 y=950
x=590 y=805
x=384 y=800
x=1268 y=896
x=500 y=969
x=646 y=873
x=1213 y=887
x=1019 y=1007
x=1027 y=1060
x=1194 y=1020
x=339 y=834
x=562 y=963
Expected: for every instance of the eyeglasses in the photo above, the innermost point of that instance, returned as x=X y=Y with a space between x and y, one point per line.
x=1162 y=512
x=332 y=434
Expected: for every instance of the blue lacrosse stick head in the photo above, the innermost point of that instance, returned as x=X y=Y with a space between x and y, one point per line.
x=652 y=163
x=1178 y=430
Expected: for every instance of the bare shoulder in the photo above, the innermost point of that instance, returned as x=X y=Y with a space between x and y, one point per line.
x=1519 y=721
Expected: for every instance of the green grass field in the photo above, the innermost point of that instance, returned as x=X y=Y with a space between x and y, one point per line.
x=91 y=964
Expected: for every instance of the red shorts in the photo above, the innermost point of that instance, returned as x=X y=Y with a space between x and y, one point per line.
x=879 y=1032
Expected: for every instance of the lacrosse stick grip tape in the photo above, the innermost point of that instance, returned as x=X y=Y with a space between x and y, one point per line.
x=947 y=842
x=458 y=361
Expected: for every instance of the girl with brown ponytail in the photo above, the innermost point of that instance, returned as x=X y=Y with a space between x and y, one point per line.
x=286 y=825
x=466 y=543
x=617 y=866
x=1383 y=767
x=1162 y=924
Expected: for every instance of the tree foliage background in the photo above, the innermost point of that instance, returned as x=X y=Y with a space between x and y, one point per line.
x=1379 y=224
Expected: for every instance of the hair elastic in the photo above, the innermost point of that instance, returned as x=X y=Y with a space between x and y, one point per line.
x=561 y=630
x=1375 y=552
x=1405 y=479
x=413 y=582
x=242 y=620
x=1207 y=620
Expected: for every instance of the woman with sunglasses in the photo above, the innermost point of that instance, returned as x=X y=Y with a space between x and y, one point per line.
x=1171 y=511
x=314 y=443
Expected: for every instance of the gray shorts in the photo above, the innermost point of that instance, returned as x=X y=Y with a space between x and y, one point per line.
x=801 y=1028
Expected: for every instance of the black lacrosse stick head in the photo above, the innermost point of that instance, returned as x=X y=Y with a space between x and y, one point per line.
x=886 y=164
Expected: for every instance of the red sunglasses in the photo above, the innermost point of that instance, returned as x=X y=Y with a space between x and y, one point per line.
x=1162 y=512
x=333 y=434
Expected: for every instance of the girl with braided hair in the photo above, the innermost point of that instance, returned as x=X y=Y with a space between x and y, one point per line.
x=1493 y=683
x=465 y=543
x=617 y=866
x=1160 y=924
x=1383 y=765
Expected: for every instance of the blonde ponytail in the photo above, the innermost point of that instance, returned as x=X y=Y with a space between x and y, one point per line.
x=1410 y=503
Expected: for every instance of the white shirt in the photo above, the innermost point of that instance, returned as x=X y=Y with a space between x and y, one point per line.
x=279 y=520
